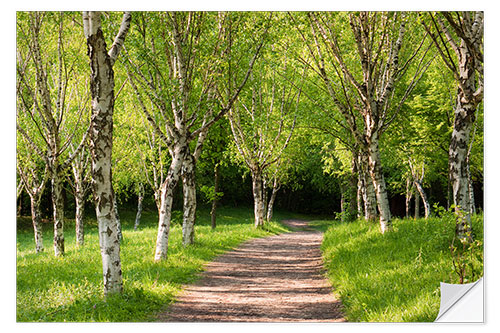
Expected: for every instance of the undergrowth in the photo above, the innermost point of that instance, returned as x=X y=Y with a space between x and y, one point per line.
x=394 y=277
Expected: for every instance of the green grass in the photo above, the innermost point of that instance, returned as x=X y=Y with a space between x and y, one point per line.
x=70 y=288
x=393 y=277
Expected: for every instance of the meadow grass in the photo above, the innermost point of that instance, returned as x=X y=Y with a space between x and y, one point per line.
x=69 y=288
x=393 y=277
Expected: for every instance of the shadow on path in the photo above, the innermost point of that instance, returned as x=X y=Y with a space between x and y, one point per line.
x=273 y=279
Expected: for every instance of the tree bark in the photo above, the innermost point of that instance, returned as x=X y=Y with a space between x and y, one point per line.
x=468 y=72
x=342 y=201
x=427 y=206
x=80 y=207
x=417 y=182
x=464 y=118
x=270 y=205
x=379 y=185
x=166 y=200
x=20 y=205
x=258 y=198
x=189 y=191
x=117 y=217
x=359 y=195
x=368 y=191
x=353 y=191
x=139 y=206
x=36 y=220
x=58 y=212
x=264 y=193
x=213 y=211
x=472 y=200
x=101 y=143
x=408 y=196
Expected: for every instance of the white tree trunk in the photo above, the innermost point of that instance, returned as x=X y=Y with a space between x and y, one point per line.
x=427 y=206
x=359 y=195
x=264 y=194
x=258 y=197
x=458 y=164
x=353 y=192
x=101 y=143
x=468 y=97
x=409 y=195
x=379 y=185
x=368 y=191
x=117 y=217
x=270 y=205
x=472 y=200
x=139 y=206
x=166 y=200
x=58 y=211
x=37 y=223
x=80 y=207
x=189 y=191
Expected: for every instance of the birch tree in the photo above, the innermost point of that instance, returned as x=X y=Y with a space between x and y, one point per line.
x=141 y=158
x=458 y=38
x=34 y=181
x=101 y=141
x=180 y=74
x=361 y=76
x=48 y=90
x=262 y=123
x=214 y=159
x=80 y=184
x=418 y=177
x=275 y=181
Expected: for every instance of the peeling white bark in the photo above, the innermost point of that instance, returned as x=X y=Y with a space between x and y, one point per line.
x=58 y=210
x=80 y=185
x=189 y=191
x=166 y=198
x=101 y=142
x=468 y=72
x=367 y=190
x=418 y=178
x=37 y=223
x=258 y=197
x=270 y=205
x=408 y=196
x=379 y=186
x=117 y=217
x=79 y=213
x=423 y=196
x=462 y=126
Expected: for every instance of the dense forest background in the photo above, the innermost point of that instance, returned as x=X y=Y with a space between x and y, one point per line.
x=315 y=163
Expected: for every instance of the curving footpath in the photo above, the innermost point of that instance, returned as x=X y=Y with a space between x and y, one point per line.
x=273 y=279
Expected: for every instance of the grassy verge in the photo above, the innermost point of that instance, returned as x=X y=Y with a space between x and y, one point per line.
x=393 y=277
x=70 y=288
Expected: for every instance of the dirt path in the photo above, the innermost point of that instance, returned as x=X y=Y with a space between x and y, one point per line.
x=273 y=279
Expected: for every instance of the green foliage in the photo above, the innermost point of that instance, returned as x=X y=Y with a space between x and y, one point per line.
x=466 y=252
x=70 y=288
x=210 y=194
x=393 y=277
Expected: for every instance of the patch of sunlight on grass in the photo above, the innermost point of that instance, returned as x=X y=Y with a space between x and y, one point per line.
x=53 y=289
x=392 y=277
